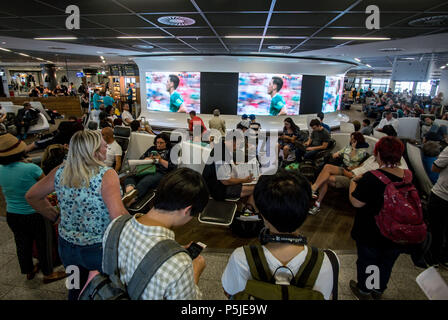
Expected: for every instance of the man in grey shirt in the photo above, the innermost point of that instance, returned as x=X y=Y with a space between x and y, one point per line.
x=438 y=211
x=217 y=123
x=366 y=127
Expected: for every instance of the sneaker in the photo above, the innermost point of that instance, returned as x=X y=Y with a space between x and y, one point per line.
x=314 y=210
x=358 y=293
x=129 y=197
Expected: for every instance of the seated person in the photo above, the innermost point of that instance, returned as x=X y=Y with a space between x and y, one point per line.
x=387 y=120
x=436 y=133
x=137 y=127
x=366 y=128
x=138 y=186
x=224 y=177
x=356 y=125
x=62 y=135
x=245 y=122
x=318 y=140
x=3 y=115
x=389 y=131
x=118 y=123
x=253 y=124
x=126 y=116
x=287 y=140
x=111 y=116
x=351 y=156
x=426 y=126
x=320 y=115
x=431 y=151
x=25 y=117
x=104 y=121
x=282 y=200
x=114 y=151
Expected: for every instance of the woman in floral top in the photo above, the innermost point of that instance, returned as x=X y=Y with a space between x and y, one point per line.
x=351 y=156
x=89 y=198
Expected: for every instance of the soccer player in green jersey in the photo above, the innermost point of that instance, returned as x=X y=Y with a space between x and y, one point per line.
x=176 y=101
x=278 y=105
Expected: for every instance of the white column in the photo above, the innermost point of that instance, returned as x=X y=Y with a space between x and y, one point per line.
x=414 y=87
x=443 y=86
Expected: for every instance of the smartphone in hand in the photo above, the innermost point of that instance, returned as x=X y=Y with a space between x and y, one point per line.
x=195 y=249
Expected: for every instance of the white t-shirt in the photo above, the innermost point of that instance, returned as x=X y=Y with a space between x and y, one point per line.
x=237 y=272
x=393 y=122
x=113 y=150
x=126 y=115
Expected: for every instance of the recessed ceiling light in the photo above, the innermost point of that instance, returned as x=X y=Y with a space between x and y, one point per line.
x=442 y=67
x=142 y=46
x=176 y=21
x=279 y=47
x=391 y=49
x=4 y=49
x=142 y=37
x=356 y=59
x=360 y=38
x=57 y=38
x=3 y=42
x=101 y=57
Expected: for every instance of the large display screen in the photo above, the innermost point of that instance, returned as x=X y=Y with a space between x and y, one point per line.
x=332 y=94
x=269 y=94
x=173 y=91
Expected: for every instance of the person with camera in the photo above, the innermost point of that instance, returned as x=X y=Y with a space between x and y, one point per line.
x=282 y=200
x=148 y=176
x=181 y=195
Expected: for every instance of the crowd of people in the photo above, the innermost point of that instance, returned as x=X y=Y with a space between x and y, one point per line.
x=82 y=173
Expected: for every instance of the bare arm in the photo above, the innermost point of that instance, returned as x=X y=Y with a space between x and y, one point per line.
x=355 y=202
x=117 y=163
x=321 y=147
x=37 y=196
x=110 y=191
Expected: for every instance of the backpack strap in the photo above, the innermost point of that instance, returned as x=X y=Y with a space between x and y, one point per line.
x=335 y=267
x=110 y=253
x=149 y=265
x=381 y=176
x=309 y=270
x=258 y=264
x=407 y=178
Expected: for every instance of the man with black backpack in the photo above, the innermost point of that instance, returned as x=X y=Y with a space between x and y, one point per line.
x=283 y=267
x=141 y=260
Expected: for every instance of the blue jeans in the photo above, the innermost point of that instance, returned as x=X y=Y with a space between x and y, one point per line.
x=383 y=258
x=86 y=258
x=143 y=184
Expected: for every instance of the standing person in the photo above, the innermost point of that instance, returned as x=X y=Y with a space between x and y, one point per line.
x=253 y=123
x=217 y=123
x=96 y=99
x=181 y=196
x=176 y=101
x=17 y=176
x=437 y=211
x=89 y=199
x=85 y=102
x=278 y=105
x=195 y=120
x=367 y=195
x=130 y=97
x=108 y=100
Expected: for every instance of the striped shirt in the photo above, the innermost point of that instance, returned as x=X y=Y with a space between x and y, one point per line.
x=174 y=280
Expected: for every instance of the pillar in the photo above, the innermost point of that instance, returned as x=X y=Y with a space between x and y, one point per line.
x=443 y=86
x=414 y=87
x=49 y=73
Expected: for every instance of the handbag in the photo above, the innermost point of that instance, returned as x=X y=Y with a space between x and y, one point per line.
x=145 y=169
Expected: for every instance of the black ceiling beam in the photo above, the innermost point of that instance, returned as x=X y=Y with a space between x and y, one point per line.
x=329 y=23
x=209 y=24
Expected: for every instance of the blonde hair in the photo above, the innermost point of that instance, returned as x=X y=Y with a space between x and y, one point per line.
x=81 y=164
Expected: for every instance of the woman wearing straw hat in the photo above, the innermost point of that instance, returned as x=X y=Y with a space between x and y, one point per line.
x=17 y=176
x=89 y=198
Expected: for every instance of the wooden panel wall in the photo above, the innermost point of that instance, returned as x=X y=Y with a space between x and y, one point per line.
x=70 y=106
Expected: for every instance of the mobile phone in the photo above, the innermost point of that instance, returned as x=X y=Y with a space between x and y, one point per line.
x=195 y=249
x=154 y=153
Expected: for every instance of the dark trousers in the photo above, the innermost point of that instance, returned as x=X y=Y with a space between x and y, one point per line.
x=86 y=258
x=28 y=228
x=25 y=126
x=438 y=225
x=309 y=155
x=383 y=258
x=143 y=184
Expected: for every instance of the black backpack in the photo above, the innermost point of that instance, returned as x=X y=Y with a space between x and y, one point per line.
x=108 y=286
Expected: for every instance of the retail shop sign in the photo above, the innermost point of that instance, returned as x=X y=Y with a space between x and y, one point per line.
x=72 y=21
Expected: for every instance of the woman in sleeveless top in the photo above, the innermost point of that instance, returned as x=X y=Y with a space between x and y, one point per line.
x=89 y=198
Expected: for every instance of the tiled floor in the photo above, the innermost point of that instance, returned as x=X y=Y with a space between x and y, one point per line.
x=14 y=286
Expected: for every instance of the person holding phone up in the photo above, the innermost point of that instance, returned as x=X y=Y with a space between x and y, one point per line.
x=148 y=176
